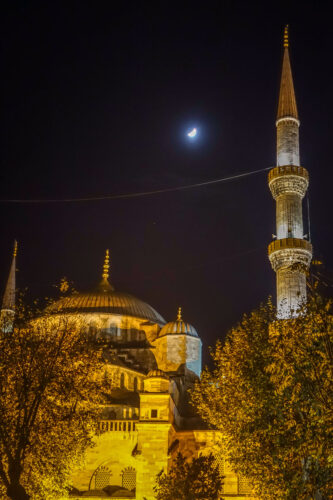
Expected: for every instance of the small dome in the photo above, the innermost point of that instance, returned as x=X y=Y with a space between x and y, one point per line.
x=157 y=373
x=178 y=327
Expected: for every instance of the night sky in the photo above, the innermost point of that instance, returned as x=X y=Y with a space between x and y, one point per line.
x=97 y=99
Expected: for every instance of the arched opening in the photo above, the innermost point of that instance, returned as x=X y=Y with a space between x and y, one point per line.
x=102 y=477
x=129 y=478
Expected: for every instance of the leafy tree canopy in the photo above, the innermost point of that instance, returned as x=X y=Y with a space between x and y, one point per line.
x=49 y=402
x=271 y=395
x=190 y=480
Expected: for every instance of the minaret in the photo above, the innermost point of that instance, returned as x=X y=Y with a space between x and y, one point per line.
x=8 y=301
x=290 y=254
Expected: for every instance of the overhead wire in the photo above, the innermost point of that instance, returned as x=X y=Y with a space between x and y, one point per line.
x=136 y=194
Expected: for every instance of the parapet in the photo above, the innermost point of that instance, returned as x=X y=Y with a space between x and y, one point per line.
x=287 y=252
x=288 y=179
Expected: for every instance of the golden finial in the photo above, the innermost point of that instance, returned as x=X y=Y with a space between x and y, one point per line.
x=106 y=266
x=179 y=315
x=286 y=36
x=15 y=249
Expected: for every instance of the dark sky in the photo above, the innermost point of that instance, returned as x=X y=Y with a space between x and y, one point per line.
x=97 y=98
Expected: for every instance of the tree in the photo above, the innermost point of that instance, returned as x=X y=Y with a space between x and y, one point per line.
x=271 y=395
x=49 y=396
x=190 y=480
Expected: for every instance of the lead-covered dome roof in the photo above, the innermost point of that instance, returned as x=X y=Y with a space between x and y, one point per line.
x=178 y=327
x=105 y=299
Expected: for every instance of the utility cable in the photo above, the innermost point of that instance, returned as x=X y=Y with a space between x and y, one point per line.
x=138 y=194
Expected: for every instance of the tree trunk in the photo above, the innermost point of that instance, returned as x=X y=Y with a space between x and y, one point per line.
x=17 y=492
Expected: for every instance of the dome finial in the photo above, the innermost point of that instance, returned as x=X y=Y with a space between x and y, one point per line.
x=286 y=36
x=106 y=266
x=179 y=315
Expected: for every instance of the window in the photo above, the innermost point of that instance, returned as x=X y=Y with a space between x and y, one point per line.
x=135 y=384
x=129 y=478
x=122 y=381
x=102 y=477
x=243 y=485
x=153 y=414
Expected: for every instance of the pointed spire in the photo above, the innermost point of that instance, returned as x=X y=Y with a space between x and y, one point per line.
x=179 y=315
x=105 y=285
x=287 y=100
x=8 y=302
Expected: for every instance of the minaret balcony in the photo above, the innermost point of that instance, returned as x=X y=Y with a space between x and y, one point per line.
x=288 y=179
x=291 y=253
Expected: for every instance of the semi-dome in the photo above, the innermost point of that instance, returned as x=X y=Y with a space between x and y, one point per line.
x=178 y=327
x=105 y=299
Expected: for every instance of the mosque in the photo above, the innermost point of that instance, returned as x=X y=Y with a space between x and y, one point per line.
x=148 y=419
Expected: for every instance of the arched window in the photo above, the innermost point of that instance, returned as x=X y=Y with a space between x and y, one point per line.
x=102 y=477
x=135 y=384
x=122 y=381
x=221 y=463
x=129 y=478
x=243 y=485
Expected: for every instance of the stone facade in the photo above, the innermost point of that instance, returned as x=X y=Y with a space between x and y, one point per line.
x=147 y=419
x=287 y=131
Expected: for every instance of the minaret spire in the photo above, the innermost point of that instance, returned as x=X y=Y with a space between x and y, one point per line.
x=8 y=301
x=287 y=100
x=290 y=254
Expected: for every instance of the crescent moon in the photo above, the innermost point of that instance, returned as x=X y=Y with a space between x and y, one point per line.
x=193 y=133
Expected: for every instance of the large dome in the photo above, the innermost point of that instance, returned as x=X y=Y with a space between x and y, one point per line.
x=106 y=301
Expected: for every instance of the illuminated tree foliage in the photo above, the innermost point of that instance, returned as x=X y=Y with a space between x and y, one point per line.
x=48 y=403
x=190 y=480
x=271 y=395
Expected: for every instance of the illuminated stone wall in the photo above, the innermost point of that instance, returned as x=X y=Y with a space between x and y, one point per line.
x=135 y=439
x=287 y=141
x=111 y=454
x=118 y=328
x=174 y=351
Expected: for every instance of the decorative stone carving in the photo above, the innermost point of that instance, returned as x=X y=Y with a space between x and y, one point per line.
x=288 y=179
x=287 y=252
